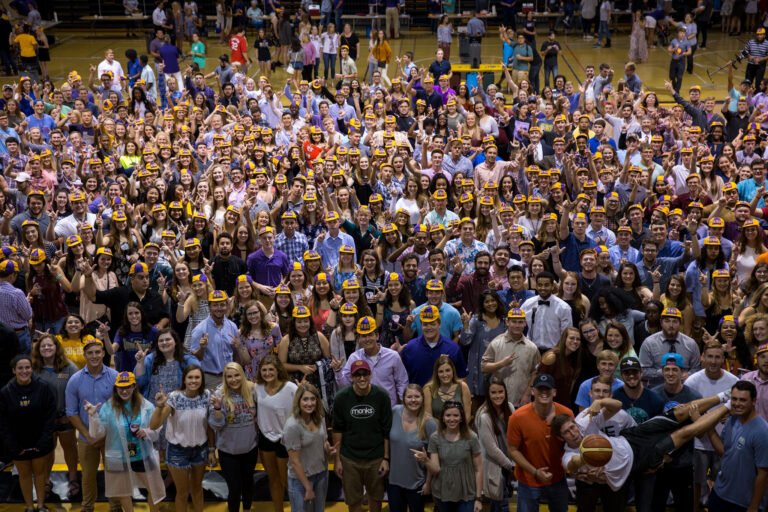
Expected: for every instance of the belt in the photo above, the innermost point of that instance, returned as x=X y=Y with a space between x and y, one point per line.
x=21 y=329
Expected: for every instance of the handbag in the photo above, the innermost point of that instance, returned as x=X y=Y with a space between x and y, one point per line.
x=290 y=69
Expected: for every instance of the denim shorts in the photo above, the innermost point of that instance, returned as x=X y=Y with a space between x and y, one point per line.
x=184 y=457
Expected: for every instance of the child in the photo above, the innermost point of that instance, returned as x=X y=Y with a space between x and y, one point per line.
x=678 y=49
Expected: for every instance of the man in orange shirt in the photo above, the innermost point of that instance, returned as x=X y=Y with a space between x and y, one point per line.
x=537 y=454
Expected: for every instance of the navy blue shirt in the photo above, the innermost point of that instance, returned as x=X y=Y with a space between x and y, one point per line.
x=419 y=359
x=571 y=247
x=649 y=404
x=440 y=68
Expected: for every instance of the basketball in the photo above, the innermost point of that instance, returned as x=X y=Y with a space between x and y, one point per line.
x=596 y=450
x=549 y=358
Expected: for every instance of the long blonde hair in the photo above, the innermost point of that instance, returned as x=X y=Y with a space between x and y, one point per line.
x=246 y=388
x=423 y=416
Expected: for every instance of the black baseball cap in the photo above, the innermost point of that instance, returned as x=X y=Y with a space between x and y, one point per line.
x=544 y=380
x=629 y=363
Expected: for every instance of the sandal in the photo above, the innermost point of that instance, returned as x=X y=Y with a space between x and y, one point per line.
x=74 y=489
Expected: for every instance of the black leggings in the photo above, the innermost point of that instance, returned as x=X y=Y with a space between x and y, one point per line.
x=238 y=472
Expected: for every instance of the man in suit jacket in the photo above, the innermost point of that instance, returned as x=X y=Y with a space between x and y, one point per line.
x=537 y=148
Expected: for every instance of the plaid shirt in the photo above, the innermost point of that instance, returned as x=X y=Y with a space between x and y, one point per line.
x=294 y=247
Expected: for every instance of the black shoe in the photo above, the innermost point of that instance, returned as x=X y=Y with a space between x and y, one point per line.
x=607 y=44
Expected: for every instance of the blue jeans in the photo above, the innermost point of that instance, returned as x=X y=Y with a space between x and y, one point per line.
x=454 y=506
x=553 y=70
x=25 y=341
x=605 y=31
x=325 y=18
x=528 y=497
x=329 y=64
x=402 y=499
x=501 y=505
x=319 y=483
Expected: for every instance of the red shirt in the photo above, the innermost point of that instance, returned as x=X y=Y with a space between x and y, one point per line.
x=239 y=47
x=530 y=433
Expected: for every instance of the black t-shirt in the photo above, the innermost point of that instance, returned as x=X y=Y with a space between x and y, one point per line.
x=551 y=57
x=117 y=299
x=351 y=41
x=225 y=272
x=648 y=405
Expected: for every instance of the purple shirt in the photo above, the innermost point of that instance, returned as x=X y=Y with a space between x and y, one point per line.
x=762 y=392
x=387 y=370
x=268 y=271
x=170 y=55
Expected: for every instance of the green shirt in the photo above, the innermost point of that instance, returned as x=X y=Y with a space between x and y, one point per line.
x=363 y=421
x=199 y=48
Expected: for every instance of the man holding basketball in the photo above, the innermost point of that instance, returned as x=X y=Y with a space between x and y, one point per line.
x=637 y=450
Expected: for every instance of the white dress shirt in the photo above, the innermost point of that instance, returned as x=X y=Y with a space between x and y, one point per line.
x=546 y=322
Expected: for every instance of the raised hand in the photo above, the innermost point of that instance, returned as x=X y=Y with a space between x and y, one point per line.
x=160 y=397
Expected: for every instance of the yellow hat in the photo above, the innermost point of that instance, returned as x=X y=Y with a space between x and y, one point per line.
x=435 y=285
x=428 y=314
x=217 y=296
x=301 y=312
x=366 y=325
x=516 y=313
x=37 y=256
x=74 y=240
x=672 y=313
x=125 y=380
x=138 y=268
x=350 y=284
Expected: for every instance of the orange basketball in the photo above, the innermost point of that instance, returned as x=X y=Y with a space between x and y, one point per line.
x=596 y=450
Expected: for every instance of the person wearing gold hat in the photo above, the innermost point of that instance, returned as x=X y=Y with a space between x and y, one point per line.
x=131 y=459
x=214 y=339
x=420 y=353
x=669 y=339
x=388 y=371
x=759 y=377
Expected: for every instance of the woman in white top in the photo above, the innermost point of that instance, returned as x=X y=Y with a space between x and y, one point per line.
x=409 y=201
x=274 y=402
x=188 y=435
x=747 y=249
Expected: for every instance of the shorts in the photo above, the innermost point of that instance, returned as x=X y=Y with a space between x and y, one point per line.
x=267 y=445
x=184 y=457
x=650 y=22
x=650 y=441
x=359 y=474
x=137 y=466
x=705 y=461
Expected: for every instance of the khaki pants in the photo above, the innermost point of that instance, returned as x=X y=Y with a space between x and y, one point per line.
x=90 y=457
x=393 y=16
x=519 y=76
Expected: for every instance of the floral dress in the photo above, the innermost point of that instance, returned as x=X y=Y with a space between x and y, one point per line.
x=305 y=351
x=258 y=348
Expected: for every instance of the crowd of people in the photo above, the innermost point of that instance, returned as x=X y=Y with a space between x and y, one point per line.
x=437 y=289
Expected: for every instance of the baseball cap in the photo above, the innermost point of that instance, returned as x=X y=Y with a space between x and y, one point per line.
x=217 y=296
x=429 y=314
x=9 y=267
x=672 y=313
x=22 y=177
x=366 y=325
x=125 y=379
x=629 y=364
x=435 y=285
x=544 y=380
x=674 y=358
x=359 y=365
x=301 y=312
x=138 y=268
